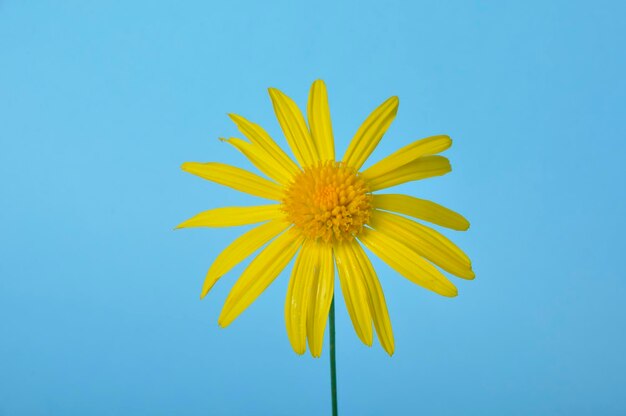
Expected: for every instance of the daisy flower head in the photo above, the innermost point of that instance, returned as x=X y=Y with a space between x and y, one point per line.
x=323 y=211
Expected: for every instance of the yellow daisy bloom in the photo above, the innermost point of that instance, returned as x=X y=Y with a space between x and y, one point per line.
x=323 y=211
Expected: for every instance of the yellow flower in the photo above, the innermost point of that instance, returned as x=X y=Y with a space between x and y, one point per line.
x=323 y=211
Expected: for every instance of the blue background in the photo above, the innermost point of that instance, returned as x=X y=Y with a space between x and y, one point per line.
x=100 y=102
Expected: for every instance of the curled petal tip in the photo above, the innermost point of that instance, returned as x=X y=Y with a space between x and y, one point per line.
x=472 y=275
x=188 y=166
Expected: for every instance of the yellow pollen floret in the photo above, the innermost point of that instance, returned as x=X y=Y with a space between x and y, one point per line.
x=330 y=202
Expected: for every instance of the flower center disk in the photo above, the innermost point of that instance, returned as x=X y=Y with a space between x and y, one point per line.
x=328 y=202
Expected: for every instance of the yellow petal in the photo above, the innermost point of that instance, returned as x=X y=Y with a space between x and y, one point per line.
x=258 y=136
x=422 y=168
x=259 y=274
x=294 y=127
x=232 y=216
x=240 y=249
x=310 y=320
x=236 y=178
x=318 y=114
x=298 y=297
x=425 y=241
x=261 y=159
x=422 y=209
x=321 y=296
x=378 y=306
x=369 y=134
x=354 y=292
x=407 y=262
x=423 y=147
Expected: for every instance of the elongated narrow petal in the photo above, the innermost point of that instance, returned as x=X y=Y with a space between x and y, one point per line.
x=261 y=159
x=421 y=209
x=236 y=178
x=232 y=216
x=298 y=297
x=315 y=275
x=259 y=274
x=407 y=262
x=321 y=296
x=240 y=249
x=378 y=306
x=422 y=168
x=423 y=147
x=318 y=114
x=354 y=292
x=294 y=127
x=258 y=136
x=426 y=242
x=369 y=134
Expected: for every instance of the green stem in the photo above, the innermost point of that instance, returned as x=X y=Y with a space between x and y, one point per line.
x=333 y=361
